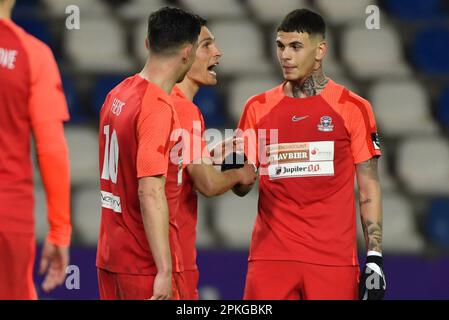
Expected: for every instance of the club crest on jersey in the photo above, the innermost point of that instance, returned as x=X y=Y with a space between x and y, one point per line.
x=325 y=124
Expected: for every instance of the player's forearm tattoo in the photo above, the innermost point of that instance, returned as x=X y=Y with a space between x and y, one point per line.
x=372 y=226
x=370 y=167
x=363 y=202
x=312 y=86
x=373 y=234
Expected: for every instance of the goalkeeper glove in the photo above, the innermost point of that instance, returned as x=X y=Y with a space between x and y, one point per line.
x=372 y=281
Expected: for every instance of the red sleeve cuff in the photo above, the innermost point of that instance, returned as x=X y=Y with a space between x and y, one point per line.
x=60 y=238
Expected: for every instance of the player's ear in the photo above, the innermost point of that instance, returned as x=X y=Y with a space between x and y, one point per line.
x=147 y=44
x=187 y=52
x=321 y=50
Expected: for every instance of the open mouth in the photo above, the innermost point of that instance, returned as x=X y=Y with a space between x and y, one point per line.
x=211 y=69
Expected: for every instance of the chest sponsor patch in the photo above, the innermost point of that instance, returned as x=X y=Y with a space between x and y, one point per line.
x=110 y=201
x=301 y=159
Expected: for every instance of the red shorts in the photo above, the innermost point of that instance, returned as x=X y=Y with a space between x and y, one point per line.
x=191 y=280
x=120 y=286
x=292 y=280
x=17 y=251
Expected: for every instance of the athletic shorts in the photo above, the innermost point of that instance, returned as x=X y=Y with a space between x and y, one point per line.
x=120 y=286
x=293 y=280
x=191 y=280
x=17 y=254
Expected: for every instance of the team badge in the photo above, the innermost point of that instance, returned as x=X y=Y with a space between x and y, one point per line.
x=325 y=124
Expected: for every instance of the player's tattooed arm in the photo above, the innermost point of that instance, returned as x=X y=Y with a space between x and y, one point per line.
x=370 y=202
x=312 y=85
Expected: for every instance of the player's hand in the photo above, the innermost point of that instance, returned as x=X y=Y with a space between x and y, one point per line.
x=248 y=174
x=54 y=262
x=372 y=280
x=225 y=148
x=162 y=287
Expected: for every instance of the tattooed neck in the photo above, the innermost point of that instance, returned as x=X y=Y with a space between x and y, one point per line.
x=311 y=86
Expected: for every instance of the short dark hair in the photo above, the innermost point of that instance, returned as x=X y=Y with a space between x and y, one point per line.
x=170 y=28
x=203 y=21
x=303 y=20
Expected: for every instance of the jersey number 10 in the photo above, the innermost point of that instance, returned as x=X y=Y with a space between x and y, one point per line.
x=110 y=157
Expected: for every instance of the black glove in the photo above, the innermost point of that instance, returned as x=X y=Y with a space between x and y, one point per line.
x=372 y=280
x=233 y=161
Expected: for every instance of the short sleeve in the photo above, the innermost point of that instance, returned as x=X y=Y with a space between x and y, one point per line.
x=247 y=129
x=363 y=131
x=47 y=100
x=200 y=135
x=154 y=128
x=196 y=149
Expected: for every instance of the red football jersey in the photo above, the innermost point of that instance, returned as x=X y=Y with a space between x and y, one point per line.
x=184 y=198
x=30 y=93
x=136 y=122
x=306 y=209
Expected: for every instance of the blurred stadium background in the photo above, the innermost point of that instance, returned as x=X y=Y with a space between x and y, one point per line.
x=402 y=68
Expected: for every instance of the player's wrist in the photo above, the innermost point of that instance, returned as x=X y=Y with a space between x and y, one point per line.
x=240 y=175
x=374 y=257
x=165 y=271
x=59 y=238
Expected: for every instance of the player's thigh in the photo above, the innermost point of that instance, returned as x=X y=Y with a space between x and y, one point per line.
x=272 y=280
x=135 y=287
x=191 y=278
x=107 y=285
x=17 y=254
x=330 y=282
x=179 y=286
x=140 y=287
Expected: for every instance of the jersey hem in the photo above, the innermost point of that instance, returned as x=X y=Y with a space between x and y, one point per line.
x=303 y=261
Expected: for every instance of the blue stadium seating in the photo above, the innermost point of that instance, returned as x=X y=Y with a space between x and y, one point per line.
x=409 y=10
x=35 y=27
x=208 y=100
x=437 y=224
x=76 y=114
x=101 y=89
x=429 y=50
x=443 y=108
x=24 y=8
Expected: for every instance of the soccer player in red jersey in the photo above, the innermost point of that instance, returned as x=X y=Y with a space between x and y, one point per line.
x=31 y=101
x=304 y=239
x=138 y=255
x=199 y=175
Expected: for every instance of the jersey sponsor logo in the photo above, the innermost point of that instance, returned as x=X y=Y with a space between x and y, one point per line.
x=325 y=124
x=291 y=156
x=110 y=201
x=301 y=159
x=117 y=106
x=296 y=119
x=8 y=58
x=375 y=139
x=299 y=170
